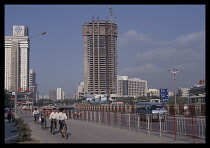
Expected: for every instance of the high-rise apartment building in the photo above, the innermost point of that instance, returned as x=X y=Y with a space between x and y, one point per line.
x=100 y=57
x=17 y=59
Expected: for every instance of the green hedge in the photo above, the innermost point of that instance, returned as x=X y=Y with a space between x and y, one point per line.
x=23 y=130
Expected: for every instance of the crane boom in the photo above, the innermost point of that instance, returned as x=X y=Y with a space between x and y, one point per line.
x=38 y=35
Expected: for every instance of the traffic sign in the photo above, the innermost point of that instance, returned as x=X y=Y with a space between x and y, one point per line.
x=164 y=95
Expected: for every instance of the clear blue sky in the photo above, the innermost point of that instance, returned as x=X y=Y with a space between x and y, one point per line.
x=152 y=39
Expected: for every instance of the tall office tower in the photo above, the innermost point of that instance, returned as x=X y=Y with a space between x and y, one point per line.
x=17 y=59
x=100 y=57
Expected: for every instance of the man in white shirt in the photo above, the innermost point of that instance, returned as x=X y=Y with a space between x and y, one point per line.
x=35 y=114
x=53 y=117
x=62 y=117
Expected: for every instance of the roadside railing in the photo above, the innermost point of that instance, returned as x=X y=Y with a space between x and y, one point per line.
x=192 y=126
x=193 y=110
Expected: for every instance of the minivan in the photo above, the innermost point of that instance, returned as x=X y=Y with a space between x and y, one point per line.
x=152 y=109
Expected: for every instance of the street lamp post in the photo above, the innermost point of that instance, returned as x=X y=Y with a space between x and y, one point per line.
x=174 y=71
x=16 y=84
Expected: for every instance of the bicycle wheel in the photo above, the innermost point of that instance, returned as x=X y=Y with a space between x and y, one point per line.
x=42 y=125
x=45 y=123
x=53 y=128
x=35 y=120
x=65 y=130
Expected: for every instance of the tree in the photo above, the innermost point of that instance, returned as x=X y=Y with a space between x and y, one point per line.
x=7 y=101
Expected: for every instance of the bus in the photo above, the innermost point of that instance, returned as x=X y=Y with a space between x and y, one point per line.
x=200 y=99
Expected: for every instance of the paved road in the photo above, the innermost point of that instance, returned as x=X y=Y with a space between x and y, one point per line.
x=85 y=132
x=9 y=132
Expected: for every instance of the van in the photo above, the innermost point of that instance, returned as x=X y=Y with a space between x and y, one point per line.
x=151 y=109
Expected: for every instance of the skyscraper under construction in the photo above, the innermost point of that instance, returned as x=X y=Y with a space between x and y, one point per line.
x=100 y=57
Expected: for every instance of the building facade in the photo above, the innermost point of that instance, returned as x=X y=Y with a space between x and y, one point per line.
x=60 y=94
x=32 y=81
x=80 y=91
x=17 y=60
x=183 y=92
x=33 y=84
x=131 y=87
x=153 y=93
x=52 y=95
x=100 y=57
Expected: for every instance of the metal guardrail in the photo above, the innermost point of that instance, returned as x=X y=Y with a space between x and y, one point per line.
x=176 y=125
x=193 y=110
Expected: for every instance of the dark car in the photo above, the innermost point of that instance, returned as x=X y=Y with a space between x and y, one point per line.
x=67 y=109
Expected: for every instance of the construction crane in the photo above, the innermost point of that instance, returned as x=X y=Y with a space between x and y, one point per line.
x=111 y=13
x=38 y=35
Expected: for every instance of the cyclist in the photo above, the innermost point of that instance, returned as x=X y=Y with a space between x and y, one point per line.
x=53 y=117
x=62 y=117
x=35 y=114
x=43 y=117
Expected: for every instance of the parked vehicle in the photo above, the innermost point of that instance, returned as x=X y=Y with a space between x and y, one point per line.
x=152 y=110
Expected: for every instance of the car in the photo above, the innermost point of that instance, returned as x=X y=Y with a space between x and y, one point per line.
x=154 y=109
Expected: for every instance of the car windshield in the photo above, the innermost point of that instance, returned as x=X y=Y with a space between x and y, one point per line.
x=157 y=107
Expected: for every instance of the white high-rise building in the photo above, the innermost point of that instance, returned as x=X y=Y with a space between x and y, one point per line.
x=60 y=94
x=17 y=59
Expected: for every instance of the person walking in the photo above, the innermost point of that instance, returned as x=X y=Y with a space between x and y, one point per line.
x=185 y=109
x=9 y=115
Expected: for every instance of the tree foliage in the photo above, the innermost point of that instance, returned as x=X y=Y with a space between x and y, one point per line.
x=7 y=101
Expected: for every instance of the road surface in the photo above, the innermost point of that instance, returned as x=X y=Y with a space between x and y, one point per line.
x=86 y=132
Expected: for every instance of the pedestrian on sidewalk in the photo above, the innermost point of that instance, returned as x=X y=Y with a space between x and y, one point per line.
x=9 y=115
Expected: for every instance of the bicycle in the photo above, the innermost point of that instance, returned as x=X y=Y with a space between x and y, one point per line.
x=64 y=129
x=53 y=122
x=44 y=123
x=36 y=116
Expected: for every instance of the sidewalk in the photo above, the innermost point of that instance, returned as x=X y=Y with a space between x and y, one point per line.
x=9 y=132
x=86 y=132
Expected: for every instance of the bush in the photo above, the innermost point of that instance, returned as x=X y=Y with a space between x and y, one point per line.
x=23 y=130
